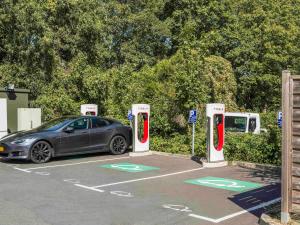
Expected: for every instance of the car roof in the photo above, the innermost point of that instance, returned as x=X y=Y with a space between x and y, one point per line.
x=91 y=116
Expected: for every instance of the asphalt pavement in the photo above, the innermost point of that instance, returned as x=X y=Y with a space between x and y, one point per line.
x=119 y=190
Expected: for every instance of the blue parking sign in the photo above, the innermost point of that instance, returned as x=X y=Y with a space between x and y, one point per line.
x=129 y=115
x=193 y=116
x=279 y=120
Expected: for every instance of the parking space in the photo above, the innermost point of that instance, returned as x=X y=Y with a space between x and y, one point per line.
x=156 y=189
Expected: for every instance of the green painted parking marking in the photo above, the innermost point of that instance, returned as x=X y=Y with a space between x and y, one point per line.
x=129 y=167
x=227 y=184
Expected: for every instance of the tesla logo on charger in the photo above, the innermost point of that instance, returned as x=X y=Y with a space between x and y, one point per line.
x=218 y=109
x=143 y=108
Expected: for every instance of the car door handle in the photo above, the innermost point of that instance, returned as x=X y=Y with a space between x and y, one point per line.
x=84 y=132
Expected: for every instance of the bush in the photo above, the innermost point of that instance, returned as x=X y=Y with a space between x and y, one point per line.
x=180 y=144
x=263 y=148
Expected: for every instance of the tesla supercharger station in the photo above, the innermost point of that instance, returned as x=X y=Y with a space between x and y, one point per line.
x=140 y=129
x=215 y=114
x=3 y=117
x=89 y=110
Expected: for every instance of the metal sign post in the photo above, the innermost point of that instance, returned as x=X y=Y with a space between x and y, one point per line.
x=192 y=120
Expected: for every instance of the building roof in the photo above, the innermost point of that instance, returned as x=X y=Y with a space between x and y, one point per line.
x=16 y=90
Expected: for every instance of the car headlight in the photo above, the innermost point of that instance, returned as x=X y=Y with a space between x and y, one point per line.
x=22 y=141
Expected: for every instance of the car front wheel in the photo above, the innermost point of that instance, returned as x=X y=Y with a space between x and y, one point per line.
x=40 y=152
x=118 y=145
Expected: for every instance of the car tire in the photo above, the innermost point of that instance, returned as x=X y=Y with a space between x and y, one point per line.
x=40 y=152
x=118 y=145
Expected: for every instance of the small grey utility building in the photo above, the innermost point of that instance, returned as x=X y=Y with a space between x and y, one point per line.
x=14 y=112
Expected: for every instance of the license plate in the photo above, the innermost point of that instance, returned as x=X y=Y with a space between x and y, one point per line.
x=1 y=149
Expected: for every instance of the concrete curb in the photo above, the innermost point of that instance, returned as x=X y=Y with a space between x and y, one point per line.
x=214 y=165
x=137 y=154
x=267 y=220
x=171 y=154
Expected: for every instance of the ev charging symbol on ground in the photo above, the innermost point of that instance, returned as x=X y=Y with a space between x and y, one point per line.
x=219 y=183
x=126 y=167
x=129 y=167
x=222 y=183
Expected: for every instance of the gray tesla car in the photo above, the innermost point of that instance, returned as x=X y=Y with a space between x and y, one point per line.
x=67 y=136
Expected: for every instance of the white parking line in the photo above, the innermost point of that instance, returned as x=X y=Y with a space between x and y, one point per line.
x=89 y=188
x=69 y=164
x=23 y=170
x=147 y=178
x=265 y=204
x=203 y=218
x=73 y=181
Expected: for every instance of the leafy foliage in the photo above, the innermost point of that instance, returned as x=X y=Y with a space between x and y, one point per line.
x=264 y=148
x=173 y=54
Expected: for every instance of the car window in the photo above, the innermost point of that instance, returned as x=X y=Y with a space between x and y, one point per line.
x=55 y=124
x=235 y=123
x=80 y=124
x=98 y=122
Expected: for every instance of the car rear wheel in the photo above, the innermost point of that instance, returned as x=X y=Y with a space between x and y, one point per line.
x=118 y=145
x=40 y=152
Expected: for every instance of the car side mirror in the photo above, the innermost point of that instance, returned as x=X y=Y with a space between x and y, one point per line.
x=69 y=130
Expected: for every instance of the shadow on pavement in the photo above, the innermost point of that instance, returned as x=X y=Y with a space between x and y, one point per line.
x=58 y=159
x=258 y=196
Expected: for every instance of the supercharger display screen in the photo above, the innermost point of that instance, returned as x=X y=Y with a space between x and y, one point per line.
x=218 y=138
x=142 y=127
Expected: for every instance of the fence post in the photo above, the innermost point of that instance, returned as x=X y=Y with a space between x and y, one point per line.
x=286 y=148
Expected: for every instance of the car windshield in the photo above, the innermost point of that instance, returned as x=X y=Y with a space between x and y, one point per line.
x=55 y=124
x=235 y=123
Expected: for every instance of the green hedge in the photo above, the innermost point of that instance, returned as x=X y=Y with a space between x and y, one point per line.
x=179 y=144
x=264 y=148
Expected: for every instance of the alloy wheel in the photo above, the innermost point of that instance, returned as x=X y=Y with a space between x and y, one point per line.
x=119 y=145
x=41 y=152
